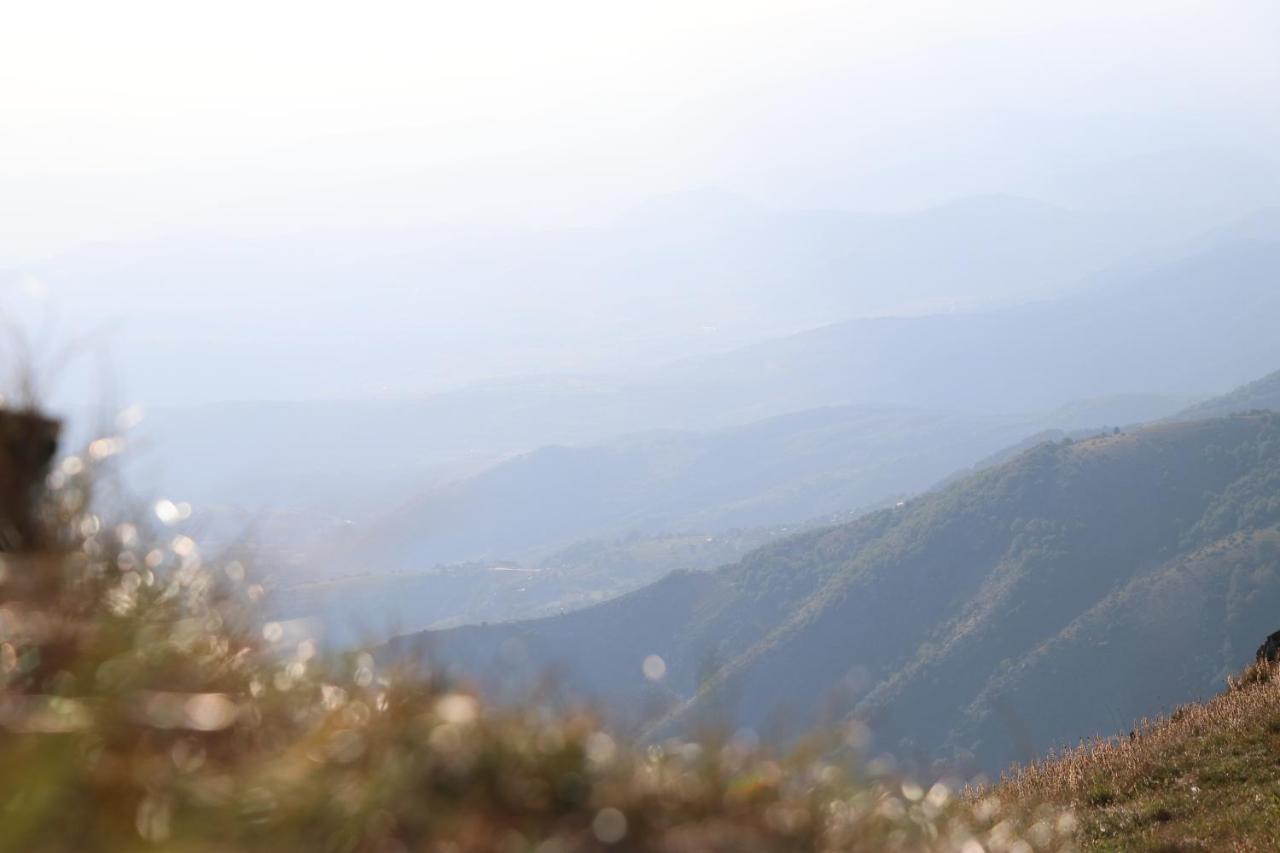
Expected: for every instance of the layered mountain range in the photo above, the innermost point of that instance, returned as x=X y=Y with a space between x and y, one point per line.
x=1064 y=592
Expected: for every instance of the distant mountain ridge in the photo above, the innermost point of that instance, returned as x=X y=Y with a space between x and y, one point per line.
x=1003 y=361
x=811 y=466
x=1263 y=393
x=1159 y=331
x=682 y=274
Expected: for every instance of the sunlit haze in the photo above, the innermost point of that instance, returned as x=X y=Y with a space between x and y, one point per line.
x=577 y=426
x=214 y=163
x=127 y=119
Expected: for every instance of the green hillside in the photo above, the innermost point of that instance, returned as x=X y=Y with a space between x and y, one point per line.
x=1203 y=778
x=960 y=624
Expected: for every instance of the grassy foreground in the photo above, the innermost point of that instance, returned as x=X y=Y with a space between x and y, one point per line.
x=145 y=704
x=1205 y=778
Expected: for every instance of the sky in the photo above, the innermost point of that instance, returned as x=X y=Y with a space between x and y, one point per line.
x=126 y=118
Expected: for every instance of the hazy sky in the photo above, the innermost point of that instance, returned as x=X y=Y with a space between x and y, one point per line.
x=256 y=178
x=120 y=118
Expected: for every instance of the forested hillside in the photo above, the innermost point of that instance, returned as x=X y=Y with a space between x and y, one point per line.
x=962 y=624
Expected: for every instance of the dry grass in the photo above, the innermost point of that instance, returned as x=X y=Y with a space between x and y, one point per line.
x=1205 y=778
x=145 y=704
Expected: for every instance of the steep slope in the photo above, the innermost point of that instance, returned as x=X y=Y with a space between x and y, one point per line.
x=994 y=593
x=1198 y=779
x=1261 y=394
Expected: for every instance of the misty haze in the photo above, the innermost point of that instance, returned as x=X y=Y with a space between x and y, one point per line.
x=683 y=427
